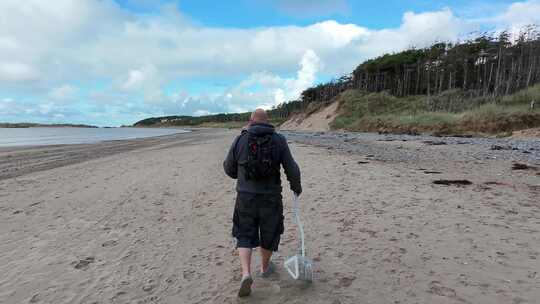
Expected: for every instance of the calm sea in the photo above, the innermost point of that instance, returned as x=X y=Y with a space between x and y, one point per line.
x=10 y=137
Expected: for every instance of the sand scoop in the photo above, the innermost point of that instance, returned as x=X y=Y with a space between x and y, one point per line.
x=299 y=266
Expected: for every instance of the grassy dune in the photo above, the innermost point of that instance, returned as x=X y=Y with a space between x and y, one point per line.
x=452 y=112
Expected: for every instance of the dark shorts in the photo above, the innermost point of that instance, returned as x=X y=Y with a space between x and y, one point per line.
x=258 y=220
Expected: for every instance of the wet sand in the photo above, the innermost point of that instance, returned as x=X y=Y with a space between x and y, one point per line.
x=18 y=161
x=148 y=221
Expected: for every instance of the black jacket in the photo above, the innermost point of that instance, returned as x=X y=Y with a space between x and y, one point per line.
x=239 y=153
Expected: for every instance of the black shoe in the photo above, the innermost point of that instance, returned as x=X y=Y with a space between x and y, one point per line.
x=245 y=286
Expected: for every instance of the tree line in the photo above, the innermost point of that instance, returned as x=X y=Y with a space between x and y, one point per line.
x=486 y=65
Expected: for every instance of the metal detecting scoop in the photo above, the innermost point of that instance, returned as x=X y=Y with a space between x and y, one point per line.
x=299 y=266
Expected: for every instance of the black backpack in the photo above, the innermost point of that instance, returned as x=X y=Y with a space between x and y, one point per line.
x=261 y=161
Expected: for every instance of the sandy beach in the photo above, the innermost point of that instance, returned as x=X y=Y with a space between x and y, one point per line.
x=148 y=221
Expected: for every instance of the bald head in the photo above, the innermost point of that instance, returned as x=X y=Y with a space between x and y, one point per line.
x=259 y=116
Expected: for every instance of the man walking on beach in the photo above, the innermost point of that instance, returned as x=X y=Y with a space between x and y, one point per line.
x=255 y=159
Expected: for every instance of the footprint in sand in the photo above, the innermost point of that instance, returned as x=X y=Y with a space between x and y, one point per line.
x=149 y=286
x=346 y=281
x=119 y=296
x=35 y=298
x=110 y=243
x=437 y=288
x=188 y=274
x=83 y=264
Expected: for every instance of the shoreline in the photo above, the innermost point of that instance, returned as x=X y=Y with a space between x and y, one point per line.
x=17 y=161
x=43 y=136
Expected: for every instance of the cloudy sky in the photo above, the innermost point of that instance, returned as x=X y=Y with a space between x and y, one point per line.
x=109 y=62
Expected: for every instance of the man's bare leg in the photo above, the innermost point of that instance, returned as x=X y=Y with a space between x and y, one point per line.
x=245 y=260
x=265 y=258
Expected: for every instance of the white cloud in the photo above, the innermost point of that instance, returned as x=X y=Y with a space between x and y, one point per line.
x=266 y=90
x=134 y=80
x=307 y=74
x=417 y=30
x=201 y=113
x=17 y=72
x=8 y=43
x=517 y=16
x=145 y=78
x=278 y=90
x=64 y=92
x=520 y=14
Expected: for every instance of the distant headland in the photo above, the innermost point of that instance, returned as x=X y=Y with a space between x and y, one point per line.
x=37 y=125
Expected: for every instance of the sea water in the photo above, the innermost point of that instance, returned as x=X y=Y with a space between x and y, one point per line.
x=10 y=137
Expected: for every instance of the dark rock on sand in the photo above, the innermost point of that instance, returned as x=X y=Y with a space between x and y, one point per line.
x=456 y=182
x=520 y=166
x=434 y=142
x=501 y=147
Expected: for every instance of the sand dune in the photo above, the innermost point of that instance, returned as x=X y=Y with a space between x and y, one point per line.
x=318 y=121
x=152 y=225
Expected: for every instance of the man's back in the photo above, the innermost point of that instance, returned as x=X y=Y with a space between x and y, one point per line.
x=238 y=157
